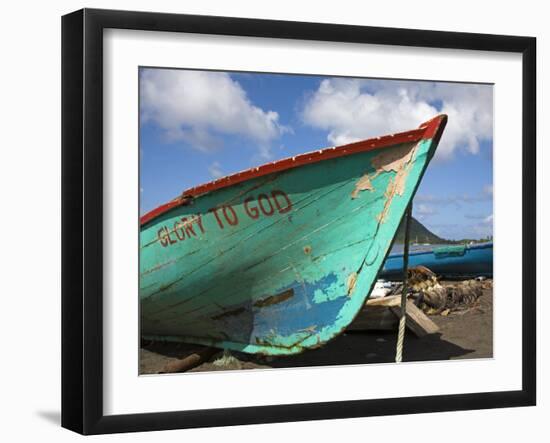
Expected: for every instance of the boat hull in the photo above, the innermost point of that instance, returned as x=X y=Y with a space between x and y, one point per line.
x=278 y=263
x=465 y=261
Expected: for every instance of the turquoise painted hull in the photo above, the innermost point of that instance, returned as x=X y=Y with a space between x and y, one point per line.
x=461 y=261
x=278 y=263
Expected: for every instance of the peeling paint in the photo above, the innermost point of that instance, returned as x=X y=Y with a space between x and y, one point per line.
x=388 y=197
x=311 y=328
x=393 y=159
x=331 y=290
x=363 y=184
x=274 y=299
x=352 y=279
x=398 y=160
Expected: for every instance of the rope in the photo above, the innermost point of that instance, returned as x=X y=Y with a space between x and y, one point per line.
x=403 y=318
x=400 y=338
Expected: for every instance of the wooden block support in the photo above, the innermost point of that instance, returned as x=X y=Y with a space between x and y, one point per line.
x=382 y=314
x=375 y=318
x=393 y=300
x=416 y=321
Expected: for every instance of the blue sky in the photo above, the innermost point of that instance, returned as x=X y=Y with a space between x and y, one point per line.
x=200 y=125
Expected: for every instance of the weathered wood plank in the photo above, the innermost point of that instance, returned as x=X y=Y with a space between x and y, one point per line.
x=418 y=322
x=191 y=361
x=382 y=314
x=392 y=300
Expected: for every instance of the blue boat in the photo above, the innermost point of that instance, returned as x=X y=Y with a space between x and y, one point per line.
x=453 y=261
x=279 y=258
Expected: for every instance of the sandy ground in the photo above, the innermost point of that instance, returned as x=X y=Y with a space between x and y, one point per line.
x=463 y=334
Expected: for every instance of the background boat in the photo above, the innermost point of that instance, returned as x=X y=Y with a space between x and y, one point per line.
x=450 y=261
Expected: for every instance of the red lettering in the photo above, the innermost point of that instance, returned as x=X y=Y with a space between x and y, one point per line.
x=199 y=223
x=188 y=225
x=251 y=212
x=163 y=237
x=263 y=197
x=215 y=211
x=232 y=220
x=170 y=239
x=288 y=207
x=178 y=229
x=182 y=228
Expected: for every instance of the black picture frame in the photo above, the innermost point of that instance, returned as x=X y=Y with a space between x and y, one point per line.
x=82 y=215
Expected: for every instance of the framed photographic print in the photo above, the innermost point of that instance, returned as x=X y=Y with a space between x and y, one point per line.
x=263 y=220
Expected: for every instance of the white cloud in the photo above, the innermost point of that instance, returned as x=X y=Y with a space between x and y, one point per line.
x=215 y=170
x=353 y=109
x=483 y=219
x=488 y=220
x=424 y=210
x=456 y=200
x=198 y=107
x=485 y=227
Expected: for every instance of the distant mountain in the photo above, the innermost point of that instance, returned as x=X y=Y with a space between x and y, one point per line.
x=418 y=234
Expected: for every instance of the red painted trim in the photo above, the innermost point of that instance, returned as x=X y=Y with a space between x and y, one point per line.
x=426 y=130
x=434 y=127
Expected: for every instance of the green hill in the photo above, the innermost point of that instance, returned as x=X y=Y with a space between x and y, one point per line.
x=418 y=234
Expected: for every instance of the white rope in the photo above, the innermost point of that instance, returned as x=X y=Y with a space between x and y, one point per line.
x=403 y=318
x=400 y=339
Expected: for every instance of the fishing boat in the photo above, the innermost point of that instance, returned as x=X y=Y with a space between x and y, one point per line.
x=279 y=258
x=453 y=261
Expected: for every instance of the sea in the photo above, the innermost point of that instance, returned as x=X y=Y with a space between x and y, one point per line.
x=398 y=249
